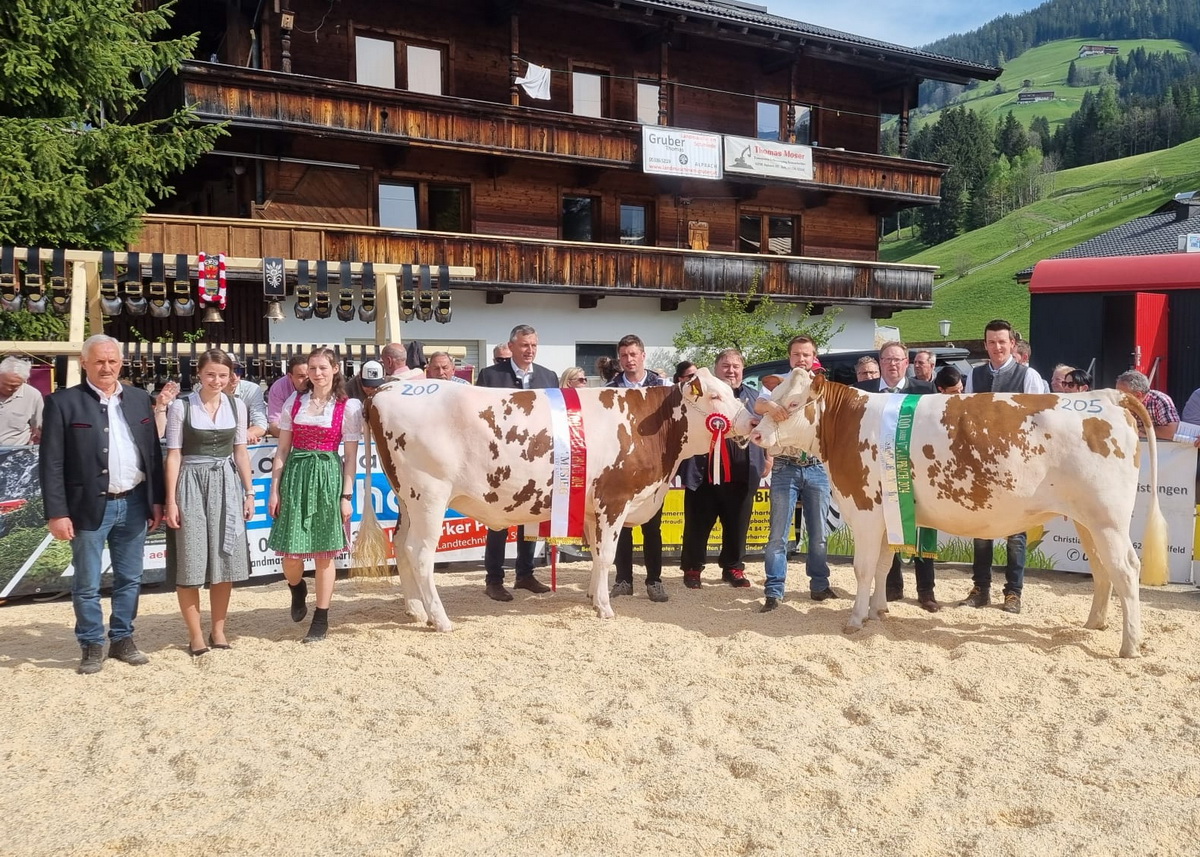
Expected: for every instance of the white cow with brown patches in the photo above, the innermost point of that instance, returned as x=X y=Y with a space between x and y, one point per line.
x=487 y=453
x=985 y=465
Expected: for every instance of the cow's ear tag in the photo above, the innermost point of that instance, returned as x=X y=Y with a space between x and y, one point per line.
x=696 y=389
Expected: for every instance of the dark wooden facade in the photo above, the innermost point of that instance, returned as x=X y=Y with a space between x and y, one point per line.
x=310 y=144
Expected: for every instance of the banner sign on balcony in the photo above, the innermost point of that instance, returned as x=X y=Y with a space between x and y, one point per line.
x=688 y=154
x=768 y=158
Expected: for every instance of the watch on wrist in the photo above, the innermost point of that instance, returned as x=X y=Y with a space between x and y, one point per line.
x=347 y=496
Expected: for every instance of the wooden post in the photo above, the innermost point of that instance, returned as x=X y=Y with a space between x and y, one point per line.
x=514 y=70
x=85 y=294
x=389 y=313
x=663 y=100
x=903 y=133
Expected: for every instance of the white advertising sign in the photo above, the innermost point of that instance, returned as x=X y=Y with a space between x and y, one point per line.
x=1177 y=499
x=768 y=158
x=687 y=154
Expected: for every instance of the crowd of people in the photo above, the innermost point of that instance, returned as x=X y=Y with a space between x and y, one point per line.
x=105 y=482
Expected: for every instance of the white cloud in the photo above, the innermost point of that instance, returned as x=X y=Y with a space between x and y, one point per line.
x=911 y=24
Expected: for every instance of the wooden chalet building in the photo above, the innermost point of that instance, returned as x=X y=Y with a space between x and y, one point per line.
x=686 y=149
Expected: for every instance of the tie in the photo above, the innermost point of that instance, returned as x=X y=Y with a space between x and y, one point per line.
x=891 y=389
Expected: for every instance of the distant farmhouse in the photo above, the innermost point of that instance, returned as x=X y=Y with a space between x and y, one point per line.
x=1036 y=96
x=1097 y=50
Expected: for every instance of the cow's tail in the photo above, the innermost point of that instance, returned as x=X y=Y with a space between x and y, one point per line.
x=370 y=547
x=1154 y=541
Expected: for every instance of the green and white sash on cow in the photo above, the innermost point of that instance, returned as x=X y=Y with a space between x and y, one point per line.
x=570 y=469
x=899 y=512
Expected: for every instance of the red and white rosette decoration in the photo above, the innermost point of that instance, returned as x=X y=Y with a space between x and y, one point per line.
x=718 y=425
x=212 y=280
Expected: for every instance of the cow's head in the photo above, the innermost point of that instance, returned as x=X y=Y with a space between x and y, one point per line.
x=707 y=394
x=794 y=416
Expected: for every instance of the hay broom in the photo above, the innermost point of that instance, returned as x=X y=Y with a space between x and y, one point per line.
x=370 y=553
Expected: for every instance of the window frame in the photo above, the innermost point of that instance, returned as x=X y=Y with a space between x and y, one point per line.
x=597 y=215
x=421 y=202
x=400 y=46
x=604 y=76
x=764 y=215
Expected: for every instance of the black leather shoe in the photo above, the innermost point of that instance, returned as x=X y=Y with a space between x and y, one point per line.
x=530 y=584
x=217 y=645
x=497 y=592
x=824 y=595
x=93 y=659
x=977 y=597
x=895 y=593
x=770 y=604
x=195 y=653
x=299 y=593
x=126 y=650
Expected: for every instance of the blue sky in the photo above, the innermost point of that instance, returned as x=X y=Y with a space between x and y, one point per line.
x=912 y=23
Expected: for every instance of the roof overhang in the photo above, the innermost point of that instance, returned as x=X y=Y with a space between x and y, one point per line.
x=1116 y=274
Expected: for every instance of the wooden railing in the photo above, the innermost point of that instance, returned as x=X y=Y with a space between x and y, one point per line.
x=505 y=264
x=253 y=98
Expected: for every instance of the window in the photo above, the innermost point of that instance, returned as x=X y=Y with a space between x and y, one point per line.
x=424 y=67
x=580 y=218
x=769 y=120
x=375 y=65
x=398 y=206
x=423 y=206
x=647 y=103
x=769 y=234
x=446 y=208
x=587 y=94
x=633 y=224
x=375 y=61
x=803 y=127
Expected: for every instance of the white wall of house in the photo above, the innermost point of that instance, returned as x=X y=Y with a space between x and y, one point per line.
x=559 y=321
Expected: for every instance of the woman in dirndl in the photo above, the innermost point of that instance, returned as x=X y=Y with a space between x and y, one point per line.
x=312 y=486
x=210 y=496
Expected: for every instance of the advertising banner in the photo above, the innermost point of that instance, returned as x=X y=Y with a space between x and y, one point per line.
x=768 y=158
x=34 y=563
x=1059 y=546
x=687 y=154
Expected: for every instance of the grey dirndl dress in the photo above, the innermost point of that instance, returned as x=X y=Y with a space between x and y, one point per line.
x=210 y=545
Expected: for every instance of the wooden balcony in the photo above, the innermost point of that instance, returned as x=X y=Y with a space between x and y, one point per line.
x=257 y=99
x=504 y=264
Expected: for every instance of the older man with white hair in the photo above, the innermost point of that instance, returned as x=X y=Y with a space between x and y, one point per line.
x=20 y=404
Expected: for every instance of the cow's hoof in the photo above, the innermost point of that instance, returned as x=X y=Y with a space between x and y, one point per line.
x=445 y=625
x=605 y=612
x=417 y=611
x=879 y=615
x=1130 y=650
x=852 y=627
x=1096 y=624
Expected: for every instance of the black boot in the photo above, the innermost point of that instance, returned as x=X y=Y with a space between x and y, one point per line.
x=299 y=593
x=319 y=627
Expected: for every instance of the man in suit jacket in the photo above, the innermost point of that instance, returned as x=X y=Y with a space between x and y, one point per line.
x=518 y=372
x=893 y=378
x=101 y=470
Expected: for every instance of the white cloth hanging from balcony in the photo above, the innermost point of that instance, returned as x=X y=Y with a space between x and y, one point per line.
x=536 y=82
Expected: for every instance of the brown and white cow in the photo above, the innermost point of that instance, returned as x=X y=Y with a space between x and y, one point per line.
x=985 y=465
x=487 y=453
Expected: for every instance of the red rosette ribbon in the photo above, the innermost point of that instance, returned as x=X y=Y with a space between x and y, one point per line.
x=718 y=425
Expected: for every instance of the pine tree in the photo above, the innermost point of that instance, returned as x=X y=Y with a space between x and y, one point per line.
x=77 y=165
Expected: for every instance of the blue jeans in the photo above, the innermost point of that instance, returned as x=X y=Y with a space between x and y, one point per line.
x=124 y=528
x=1014 y=572
x=811 y=485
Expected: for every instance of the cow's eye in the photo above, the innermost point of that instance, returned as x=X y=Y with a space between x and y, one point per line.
x=793 y=406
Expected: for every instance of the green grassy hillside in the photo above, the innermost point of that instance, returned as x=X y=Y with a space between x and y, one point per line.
x=991 y=292
x=1046 y=68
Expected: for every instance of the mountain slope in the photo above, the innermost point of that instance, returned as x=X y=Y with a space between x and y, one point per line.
x=1110 y=190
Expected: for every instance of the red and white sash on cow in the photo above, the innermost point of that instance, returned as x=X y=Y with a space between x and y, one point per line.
x=570 y=468
x=899 y=513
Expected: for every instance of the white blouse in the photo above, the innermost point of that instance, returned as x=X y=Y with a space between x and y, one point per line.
x=225 y=419
x=352 y=417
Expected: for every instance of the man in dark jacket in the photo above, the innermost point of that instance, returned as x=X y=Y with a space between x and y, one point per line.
x=101 y=471
x=731 y=501
x=518 y=372
x=893 y=378
x=631 y=355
